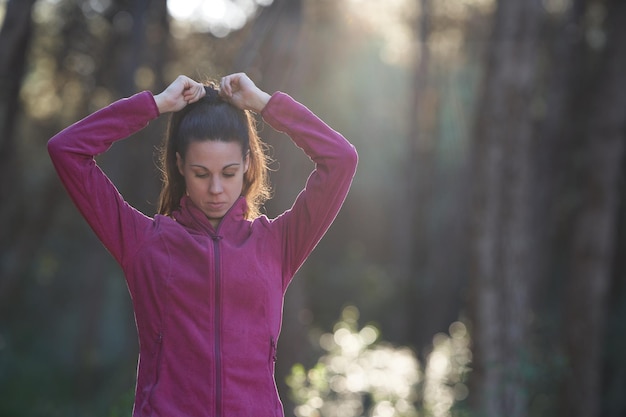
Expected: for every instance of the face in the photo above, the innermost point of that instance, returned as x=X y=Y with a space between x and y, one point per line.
x=213 y=172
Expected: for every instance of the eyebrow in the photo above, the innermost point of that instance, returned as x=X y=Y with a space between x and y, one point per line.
x=225 y=167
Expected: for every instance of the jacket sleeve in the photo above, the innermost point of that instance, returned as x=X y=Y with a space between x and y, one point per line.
x=115 y=222
x=326 y=188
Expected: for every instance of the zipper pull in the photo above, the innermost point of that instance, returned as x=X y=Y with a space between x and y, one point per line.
x=274 y=349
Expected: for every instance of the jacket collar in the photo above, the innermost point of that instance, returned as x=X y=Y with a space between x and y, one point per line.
x=192 y=217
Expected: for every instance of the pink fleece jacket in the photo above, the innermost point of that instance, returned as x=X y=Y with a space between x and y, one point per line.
x=207 y=303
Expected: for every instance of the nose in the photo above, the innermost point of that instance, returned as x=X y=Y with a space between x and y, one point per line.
x=215 y=187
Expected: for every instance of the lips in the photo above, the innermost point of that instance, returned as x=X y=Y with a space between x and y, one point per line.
x=215 y=206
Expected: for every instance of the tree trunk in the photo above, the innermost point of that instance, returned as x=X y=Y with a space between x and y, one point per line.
x=143 y=45
x=15 y=39
x=614 y=378
x=412 y=230
x=594 y=229
x=504 y=211
x=14 y=42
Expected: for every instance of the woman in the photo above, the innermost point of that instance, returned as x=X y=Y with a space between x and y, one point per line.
x=207 y=275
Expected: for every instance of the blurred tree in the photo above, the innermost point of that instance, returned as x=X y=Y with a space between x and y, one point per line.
x=14 y=42
x=134 y=57
x=546 y=214
x=15 y=38
x=412 y=239
x=504 y=215
x=432 y=239
x=602 y=138
x=614 y=361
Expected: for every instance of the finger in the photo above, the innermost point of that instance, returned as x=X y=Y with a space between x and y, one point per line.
x=225 y=86
x=194 y=92
x=200 y=92
x=232 y=84
x=185 y=83
x=188 y=94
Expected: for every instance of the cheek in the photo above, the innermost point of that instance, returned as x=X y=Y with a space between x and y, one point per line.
x=241 y=183
x=191 y=184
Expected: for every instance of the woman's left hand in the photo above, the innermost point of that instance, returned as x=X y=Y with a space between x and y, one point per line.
x=182 y=91
x=239 y=90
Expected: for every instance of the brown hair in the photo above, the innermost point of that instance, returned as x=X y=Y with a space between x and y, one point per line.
x=212 y=118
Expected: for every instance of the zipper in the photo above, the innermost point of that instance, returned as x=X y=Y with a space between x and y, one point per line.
x=216 y=237
x=272 y=365
x=272 y=351
x=217 y=319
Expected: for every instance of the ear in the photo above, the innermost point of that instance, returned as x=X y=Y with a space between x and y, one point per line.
x=179 y=164
x=246 y=162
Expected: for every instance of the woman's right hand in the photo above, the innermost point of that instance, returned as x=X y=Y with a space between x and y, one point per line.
x=240 y=91
x=182 y=91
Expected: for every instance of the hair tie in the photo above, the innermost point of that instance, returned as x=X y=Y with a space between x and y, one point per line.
x=212 y=94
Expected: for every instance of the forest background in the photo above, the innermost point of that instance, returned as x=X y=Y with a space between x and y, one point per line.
x=483 y=238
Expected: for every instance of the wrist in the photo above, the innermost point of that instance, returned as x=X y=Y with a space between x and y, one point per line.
x=260 y=101
x=160 y=103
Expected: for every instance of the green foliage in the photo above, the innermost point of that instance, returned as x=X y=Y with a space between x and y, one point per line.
x=361 y=375
x=123 y=406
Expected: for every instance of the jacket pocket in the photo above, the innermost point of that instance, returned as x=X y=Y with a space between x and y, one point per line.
x=148 y=377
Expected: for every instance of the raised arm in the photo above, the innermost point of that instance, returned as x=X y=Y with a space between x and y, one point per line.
x=119 y=226
x=319 y=202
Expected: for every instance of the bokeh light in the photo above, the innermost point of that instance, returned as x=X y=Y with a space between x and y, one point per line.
x=362 y=375
x=218 y=17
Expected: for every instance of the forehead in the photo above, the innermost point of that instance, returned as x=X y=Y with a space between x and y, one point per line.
x=210 y=153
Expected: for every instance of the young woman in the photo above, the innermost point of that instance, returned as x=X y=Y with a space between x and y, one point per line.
x=207 y=275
